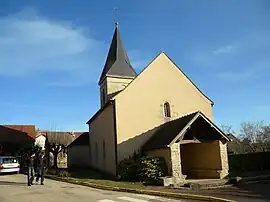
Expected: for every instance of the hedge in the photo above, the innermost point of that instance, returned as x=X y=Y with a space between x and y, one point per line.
x=249 y=162
x=146 y=169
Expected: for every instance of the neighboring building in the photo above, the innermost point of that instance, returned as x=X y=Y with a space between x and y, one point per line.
x=40 y=140
x=78 y=153
x=161 y=112
x=59 y=142
x=30 y=130
x=15 y=138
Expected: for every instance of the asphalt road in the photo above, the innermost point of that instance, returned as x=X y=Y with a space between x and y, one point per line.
x=13 y=188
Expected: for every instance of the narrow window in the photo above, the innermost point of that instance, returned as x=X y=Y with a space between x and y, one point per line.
x=104 y=150
x=167 y=109
x=103 y=96
x=90 y=151
x=96 y=153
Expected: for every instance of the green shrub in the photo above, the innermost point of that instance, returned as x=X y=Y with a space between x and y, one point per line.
x=128 y=168
x=152 y=169
x=249 y=162
x=138 y=168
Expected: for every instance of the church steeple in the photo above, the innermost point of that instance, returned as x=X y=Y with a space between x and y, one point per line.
x=117 y=63
x=117 y=72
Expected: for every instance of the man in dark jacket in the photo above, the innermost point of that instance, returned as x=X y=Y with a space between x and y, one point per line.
x=30 y=165
x=40 y=166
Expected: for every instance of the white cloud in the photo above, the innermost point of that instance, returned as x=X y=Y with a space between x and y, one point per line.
x=235 y=75
x=256 y=70
x=31 y=44
x=223 y=50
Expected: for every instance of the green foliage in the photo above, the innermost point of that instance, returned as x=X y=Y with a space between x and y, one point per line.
x=129 y=167
x=152 y=169
x=249 y=162
x=146 y=169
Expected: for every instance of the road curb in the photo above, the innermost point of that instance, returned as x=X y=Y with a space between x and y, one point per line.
x=139 y=191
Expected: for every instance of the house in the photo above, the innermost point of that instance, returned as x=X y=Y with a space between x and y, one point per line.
x=78 y=153
x=58 y=142
x=160 y=112
x=30 y=130
x=15 y=138
x=40 y=140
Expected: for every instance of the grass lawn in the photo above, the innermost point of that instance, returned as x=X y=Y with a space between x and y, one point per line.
x=91 y=176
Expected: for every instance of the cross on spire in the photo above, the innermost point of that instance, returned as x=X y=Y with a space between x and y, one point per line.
x=115 y=9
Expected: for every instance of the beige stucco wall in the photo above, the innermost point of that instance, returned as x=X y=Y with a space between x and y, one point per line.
x=102 y=129
x=139 y=107
x=78 y=155
x=166 y=154
x=201 y=159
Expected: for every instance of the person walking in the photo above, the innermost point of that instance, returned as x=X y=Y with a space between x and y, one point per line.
x=30 y=165
x=40 y=166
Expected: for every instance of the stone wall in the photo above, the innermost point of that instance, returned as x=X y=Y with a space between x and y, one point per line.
x=224 y=159
x=62 y=160
x=178 y=177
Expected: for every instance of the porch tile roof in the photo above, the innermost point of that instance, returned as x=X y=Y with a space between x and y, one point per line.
x=166 y=132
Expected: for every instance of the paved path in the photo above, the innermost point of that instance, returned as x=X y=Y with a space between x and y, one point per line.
x=13 y=188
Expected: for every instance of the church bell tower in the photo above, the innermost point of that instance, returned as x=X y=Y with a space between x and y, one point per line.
x=117 y=72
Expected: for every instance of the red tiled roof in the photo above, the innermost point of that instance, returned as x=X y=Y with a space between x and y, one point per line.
x=11 y=135
x=76 y=134
x=29 y=129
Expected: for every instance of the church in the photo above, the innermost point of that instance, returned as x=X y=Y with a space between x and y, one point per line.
x=160 y=112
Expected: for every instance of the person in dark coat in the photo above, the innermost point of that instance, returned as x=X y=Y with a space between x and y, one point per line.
x=30 y=165
x=40 y=166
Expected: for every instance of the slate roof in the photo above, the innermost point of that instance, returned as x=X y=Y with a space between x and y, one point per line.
x=166 y=132
x=82 y=140
x=117 y=63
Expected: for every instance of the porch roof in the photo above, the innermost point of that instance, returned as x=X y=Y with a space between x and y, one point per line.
x=170 y=132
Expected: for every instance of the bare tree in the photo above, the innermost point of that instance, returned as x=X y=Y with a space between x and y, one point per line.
x=57 y=142
x=257 y=135
x=227 y=129
x=236 y=146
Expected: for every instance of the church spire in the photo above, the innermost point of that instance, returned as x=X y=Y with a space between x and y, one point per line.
x=117 y=63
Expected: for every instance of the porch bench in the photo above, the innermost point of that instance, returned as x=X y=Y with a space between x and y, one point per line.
x=206 y=173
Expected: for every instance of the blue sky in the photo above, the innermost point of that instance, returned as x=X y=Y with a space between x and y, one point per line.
x=52 y=53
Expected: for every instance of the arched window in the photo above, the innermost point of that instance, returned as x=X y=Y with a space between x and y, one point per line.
x=167 y=109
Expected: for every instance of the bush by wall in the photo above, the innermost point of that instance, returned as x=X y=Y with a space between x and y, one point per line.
x=152 y=169
x=128 y=168
x=146 y=169
x=249 y=162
